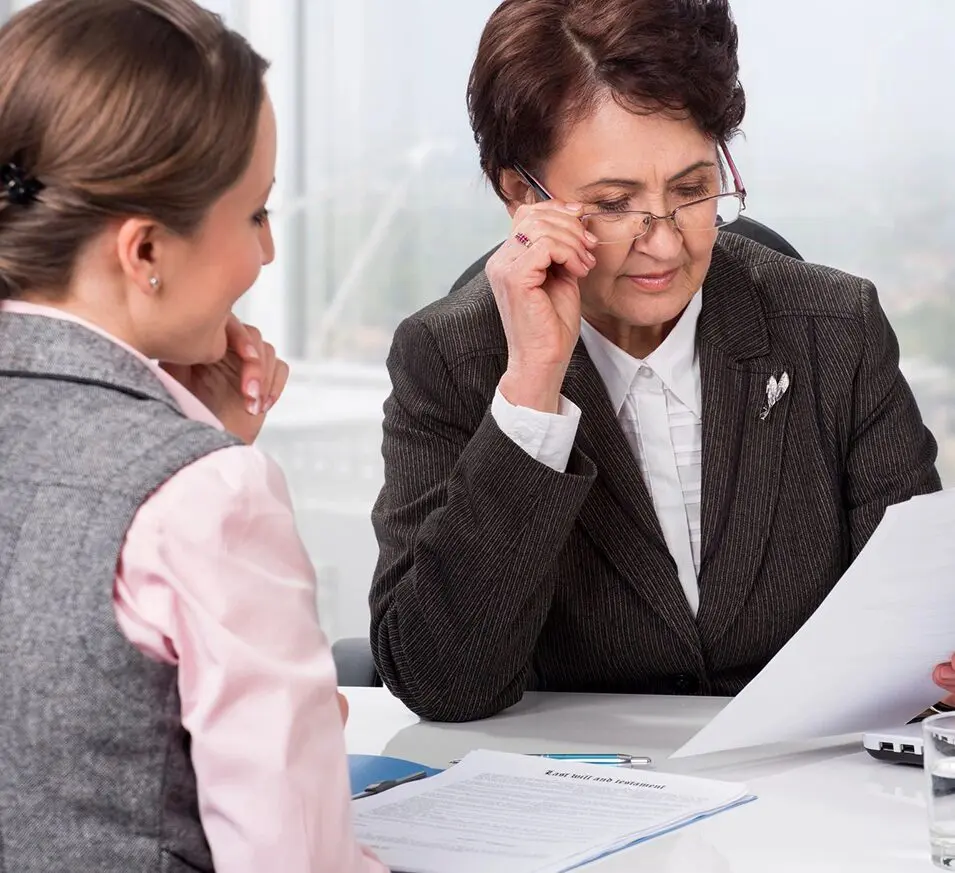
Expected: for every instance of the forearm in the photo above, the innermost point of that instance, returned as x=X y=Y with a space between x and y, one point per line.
x=891 y=454
x=461 y=594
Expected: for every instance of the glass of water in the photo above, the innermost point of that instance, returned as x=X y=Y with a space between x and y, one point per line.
x=938 y=740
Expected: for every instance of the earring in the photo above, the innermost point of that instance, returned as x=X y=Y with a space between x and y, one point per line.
x=154 y=283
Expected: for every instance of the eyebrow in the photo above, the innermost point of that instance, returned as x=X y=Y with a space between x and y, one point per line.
x=268 y=190
x=638 y=185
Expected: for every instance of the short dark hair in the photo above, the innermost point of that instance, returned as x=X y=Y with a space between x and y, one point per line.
x=544 y=64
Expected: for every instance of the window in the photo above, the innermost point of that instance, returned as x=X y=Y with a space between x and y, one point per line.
x=379 y=206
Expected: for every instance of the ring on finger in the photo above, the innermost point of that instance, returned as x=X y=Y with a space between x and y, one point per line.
x=523 y=239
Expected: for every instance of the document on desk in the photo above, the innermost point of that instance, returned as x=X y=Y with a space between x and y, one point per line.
x=496 y=812
x=864 y=660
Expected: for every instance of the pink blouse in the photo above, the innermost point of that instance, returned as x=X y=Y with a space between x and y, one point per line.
x=213 y=577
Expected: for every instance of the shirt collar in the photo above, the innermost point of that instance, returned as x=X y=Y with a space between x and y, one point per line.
x=674 y=360
x=191 y=406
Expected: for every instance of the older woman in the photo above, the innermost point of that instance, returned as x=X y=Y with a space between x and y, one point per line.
x=635 y=454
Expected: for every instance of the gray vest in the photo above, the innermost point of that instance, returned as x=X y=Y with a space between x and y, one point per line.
x=95 y=773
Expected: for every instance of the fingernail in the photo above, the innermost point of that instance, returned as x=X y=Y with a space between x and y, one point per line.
x=591 y=257
x=268 y=405
x=252 y=352
x=573 y=207
x=254 y=392
x=590 y=237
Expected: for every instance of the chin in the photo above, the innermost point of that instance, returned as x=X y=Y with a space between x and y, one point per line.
x=654 y=310
x=215 y=347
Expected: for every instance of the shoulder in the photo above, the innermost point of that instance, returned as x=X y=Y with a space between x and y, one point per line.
x=228 y=474
x=97 y=438
x=233 y=489
x=787 y=287
x=221 y=533
x=165 y=442
x=459 y=327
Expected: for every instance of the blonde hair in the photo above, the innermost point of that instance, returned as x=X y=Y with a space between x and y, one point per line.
x=117 y=108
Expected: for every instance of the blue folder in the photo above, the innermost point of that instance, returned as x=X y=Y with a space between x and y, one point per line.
x=363 y=770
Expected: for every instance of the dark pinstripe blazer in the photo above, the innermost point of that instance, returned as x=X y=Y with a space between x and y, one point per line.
x=498 y=575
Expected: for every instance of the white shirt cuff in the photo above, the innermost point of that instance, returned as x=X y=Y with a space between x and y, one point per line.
x=546 y=437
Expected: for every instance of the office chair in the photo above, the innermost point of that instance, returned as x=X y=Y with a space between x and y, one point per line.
x=353 y=658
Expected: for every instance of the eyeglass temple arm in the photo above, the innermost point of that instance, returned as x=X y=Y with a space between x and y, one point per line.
x=534 y=185
x=737 y=179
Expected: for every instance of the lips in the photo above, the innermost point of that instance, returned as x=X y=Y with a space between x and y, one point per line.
x=654 y=281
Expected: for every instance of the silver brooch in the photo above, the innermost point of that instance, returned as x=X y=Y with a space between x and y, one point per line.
x=774 y=391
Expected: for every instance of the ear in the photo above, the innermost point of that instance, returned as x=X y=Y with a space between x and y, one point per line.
x=139 y=246
x=516 y=191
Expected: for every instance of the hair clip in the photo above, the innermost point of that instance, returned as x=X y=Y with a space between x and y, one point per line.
x=20 y=188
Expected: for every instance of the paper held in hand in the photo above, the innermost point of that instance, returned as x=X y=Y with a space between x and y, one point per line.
x=864 y=660
x=497 y=812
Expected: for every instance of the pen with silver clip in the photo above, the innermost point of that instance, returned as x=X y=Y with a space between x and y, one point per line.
x=618 y=760
x=386 y=784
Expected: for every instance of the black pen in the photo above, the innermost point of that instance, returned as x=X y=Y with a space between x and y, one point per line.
x=384 y=785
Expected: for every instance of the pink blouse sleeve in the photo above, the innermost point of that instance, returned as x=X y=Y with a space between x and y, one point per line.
x=214 y=577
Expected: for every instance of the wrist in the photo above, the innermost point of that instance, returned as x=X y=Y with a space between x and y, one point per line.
x=535 y=388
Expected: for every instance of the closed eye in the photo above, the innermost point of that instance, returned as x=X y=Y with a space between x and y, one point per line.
x=261 y=218
x=692 y=192
x=620 y=205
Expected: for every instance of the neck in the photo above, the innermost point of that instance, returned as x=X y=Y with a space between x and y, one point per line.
x=636 y=340
x=115 y=322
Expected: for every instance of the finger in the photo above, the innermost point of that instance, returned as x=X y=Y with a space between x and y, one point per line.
x=553 y=208
x=537 y=224
x=343 y=707
x=540 y=222
x=279 y=381
x=268 y=373
x=540 y=264
x=559 y=249
x=944 y=676
x=560 y=242
x=246 y=343
x=268 y=367
x=546 y=258
x=565 y=228
x=243 y=339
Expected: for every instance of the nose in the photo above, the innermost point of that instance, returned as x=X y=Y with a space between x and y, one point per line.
x=662 y=241
x=268 y=246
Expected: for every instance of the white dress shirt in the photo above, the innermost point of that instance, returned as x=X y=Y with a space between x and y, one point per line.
x=658 y=402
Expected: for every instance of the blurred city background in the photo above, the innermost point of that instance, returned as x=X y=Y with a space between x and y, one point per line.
x=848 y=151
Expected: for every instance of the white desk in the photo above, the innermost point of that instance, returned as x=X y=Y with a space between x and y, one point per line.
x=824 y=807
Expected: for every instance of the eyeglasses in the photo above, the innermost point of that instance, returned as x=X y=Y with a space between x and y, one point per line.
x=706 y=213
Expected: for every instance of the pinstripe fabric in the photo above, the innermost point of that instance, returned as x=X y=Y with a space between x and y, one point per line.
x=497 y=574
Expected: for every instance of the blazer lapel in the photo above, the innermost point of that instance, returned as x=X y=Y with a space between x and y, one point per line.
x=742 y=451
x=618 y=514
